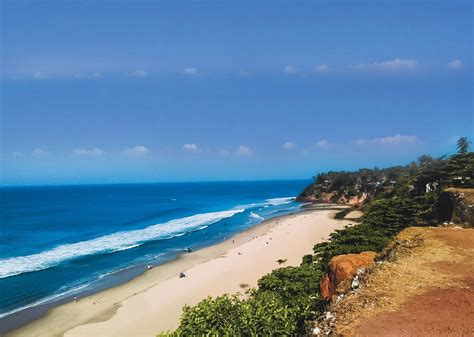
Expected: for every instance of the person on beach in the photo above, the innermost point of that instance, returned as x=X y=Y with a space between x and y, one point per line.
x=181 y=275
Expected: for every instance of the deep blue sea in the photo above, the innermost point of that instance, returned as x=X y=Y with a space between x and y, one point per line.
x=57 y=242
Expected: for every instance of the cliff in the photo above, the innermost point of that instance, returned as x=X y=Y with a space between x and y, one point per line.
x=421 y=178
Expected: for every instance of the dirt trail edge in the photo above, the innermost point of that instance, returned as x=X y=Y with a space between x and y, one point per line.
x=425 y=289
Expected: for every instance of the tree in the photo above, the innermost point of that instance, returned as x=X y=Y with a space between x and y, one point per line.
x=463 y=145
x=425 y=160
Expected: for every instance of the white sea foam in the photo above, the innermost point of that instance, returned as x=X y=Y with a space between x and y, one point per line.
x=125 y=248
x=280 y=201
x=108 y=243
x=256 y=216
x=268 y=203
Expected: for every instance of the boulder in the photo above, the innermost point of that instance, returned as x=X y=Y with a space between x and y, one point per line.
x=342 y=270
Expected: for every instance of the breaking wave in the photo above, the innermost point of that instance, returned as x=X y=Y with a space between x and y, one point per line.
x=109 y=243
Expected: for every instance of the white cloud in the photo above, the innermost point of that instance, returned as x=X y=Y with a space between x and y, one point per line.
x=95 y=152
x=391 y=65
x=139 y=73
x=321 y=68
x=190 y=71
x=18 y=154
x=455 y=65
x=243 y=73
x=390 y=140
x=290 y=70
x=243 y=150
x=322 y=144
x=39 y=152
x=191 y=148
x=138 y=151
x=289 y=146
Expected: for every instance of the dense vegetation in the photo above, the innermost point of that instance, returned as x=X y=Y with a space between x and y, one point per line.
x=288 y=298
x=425 y=175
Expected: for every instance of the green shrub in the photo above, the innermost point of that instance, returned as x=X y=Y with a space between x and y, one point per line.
x=264 y=314
x=356 y=239
x=297 y=287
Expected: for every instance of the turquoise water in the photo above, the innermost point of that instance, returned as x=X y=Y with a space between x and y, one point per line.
x=64 y=241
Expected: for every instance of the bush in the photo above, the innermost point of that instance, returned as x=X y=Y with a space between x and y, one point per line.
x=354 y=239
x=262 y=315
x=297 y=287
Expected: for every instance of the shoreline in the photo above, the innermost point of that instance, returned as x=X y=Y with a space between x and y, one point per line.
x=100 y=310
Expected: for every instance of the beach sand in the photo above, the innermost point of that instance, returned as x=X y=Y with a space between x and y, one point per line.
x=152 y=302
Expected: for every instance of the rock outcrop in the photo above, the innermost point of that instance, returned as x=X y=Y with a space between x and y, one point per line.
x=342 y=269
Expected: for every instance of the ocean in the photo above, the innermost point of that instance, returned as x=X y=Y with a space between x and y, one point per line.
x=57 y=242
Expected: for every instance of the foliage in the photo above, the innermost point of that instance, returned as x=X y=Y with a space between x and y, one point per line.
x=298 y=287
x=463 y=145
x=427 y=174
x=356 y=239
x=262 y=315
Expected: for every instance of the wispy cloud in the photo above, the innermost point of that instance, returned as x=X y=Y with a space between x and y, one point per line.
x=17 y=154
x=89 y=76
x=389 y=140
x=95 y=152
x=224 y=152
x=288 y=146
x=139 y=73
x=321 y=68
x=190 y=71
x=290 y=70
x=322 y=144
x=39 y=152
x=455 y=65
x=390 y=65
x=193 y=148
x=243 y=150
x=138 y=151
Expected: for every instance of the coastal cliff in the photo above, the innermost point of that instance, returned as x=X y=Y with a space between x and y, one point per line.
x=351 y=188
x=426 y=176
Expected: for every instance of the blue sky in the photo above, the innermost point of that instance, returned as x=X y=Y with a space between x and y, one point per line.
x=133 y=91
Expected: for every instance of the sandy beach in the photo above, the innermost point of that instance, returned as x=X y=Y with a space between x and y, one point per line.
x=152 y=303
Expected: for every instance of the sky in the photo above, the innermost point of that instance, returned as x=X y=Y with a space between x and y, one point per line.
x=149 y=91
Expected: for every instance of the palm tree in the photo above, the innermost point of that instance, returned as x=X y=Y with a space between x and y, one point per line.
x=463 y=145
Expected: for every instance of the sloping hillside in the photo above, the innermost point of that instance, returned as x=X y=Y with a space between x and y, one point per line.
x=426 y=288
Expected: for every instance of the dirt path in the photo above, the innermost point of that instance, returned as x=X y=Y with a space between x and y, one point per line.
x=427 y=290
